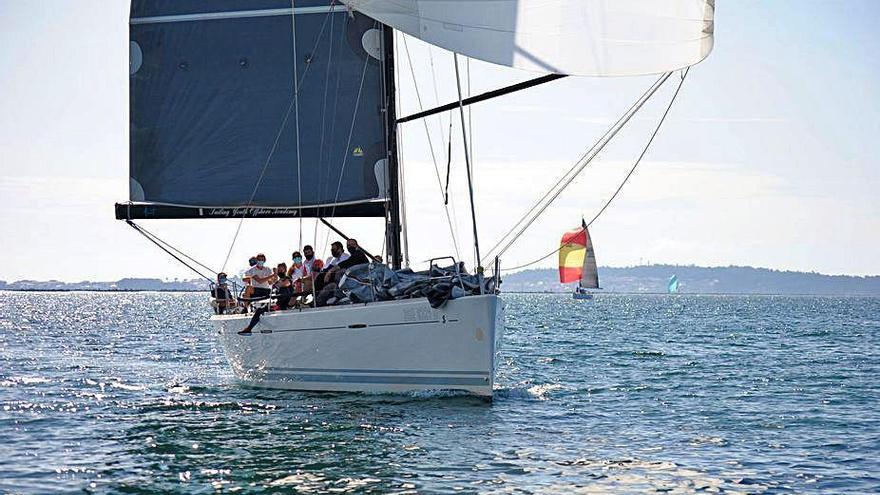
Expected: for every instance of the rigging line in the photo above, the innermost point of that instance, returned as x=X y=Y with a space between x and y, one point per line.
x=470 y=109
x=431 y=145
x=582 y=161
x=147 y=233
x=453 y=221
x=154 y=241
x=625 y=179
x=324 y=107
x=448 y=166
x=357 y=105
x=274 y=147
x=571 y=170
x=325 y=183
x=296 y=120
x=467 y=162
x=580 y=168
x=401 y=166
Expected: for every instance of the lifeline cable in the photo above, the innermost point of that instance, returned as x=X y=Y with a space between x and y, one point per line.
x=625 y=179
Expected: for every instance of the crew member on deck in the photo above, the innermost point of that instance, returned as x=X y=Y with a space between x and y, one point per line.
x=312 y=265
x=223 y=299
x=337 y=255
x=297 y=271
x=357 y=256
x=260 y=277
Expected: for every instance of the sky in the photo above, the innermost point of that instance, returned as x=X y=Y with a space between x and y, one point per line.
x=768 y=157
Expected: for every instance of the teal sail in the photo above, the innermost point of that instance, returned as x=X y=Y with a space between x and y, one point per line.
x=672 y=285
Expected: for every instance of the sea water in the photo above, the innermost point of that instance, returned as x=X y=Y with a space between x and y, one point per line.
x=131 y=393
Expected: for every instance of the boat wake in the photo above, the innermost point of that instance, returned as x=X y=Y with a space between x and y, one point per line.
x=528 y=391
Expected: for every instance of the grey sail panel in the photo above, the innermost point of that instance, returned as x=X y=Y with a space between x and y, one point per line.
x=211 y=83
x=589 y=273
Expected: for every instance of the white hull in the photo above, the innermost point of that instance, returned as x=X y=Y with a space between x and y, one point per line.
x=392 y=346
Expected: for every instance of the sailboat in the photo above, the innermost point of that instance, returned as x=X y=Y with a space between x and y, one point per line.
x=672 y=284
x=287 y=109
x=577 y=261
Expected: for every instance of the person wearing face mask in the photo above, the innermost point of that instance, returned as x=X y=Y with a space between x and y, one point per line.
x=297 y=271
x=331 y=277
x=223 y=299
x=281 y=273
x=259 y=278
x=337 y=254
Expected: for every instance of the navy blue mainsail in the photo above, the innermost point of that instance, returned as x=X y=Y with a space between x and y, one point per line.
x=214 y=120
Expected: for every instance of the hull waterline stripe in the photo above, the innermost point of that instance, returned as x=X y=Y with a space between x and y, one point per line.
x=363 y=371
x=239 y=14
x=373 y=380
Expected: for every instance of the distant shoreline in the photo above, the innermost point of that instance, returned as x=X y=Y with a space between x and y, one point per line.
x=644 y=279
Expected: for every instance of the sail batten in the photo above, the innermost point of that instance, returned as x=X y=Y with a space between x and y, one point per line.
x=212 y=106
x=576 y=37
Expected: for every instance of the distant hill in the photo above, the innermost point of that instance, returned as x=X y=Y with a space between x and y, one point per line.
x=703 y=280
x=651 y=278
x=125 y=284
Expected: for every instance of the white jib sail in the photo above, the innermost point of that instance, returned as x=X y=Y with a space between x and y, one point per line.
x=576 y=37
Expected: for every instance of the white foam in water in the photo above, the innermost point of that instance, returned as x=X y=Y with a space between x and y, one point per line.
x=533 y=392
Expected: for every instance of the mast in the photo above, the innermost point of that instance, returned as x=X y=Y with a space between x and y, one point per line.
x=392 y=216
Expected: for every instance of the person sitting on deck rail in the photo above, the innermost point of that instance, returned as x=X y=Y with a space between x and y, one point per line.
x=335 y=273
x=223 y=299
x=283 y=296
x=259 y=278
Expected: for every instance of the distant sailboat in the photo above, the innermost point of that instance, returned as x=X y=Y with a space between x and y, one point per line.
x=672 y=284
x=577 y=261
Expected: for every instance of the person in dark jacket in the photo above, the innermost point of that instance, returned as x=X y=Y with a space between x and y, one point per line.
x=223 y=298
x=331 y=277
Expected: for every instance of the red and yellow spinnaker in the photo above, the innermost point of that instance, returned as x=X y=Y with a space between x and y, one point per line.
x=571 y=255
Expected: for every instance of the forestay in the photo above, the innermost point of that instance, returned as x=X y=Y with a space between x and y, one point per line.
x=576 y=37
x=214 y=120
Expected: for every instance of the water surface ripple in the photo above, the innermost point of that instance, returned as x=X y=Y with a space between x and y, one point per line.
x=130 y=393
